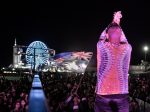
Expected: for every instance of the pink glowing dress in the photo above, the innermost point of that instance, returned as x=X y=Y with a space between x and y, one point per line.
x=112 y=67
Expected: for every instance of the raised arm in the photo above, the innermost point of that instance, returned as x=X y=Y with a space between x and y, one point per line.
x=116 y=19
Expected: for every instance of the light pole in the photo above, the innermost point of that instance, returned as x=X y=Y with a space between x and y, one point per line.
x=145 y=50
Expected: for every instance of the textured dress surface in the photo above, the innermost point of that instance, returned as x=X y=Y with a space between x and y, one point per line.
x=112 y=68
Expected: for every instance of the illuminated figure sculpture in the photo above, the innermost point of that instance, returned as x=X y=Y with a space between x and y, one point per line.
x=113 y=59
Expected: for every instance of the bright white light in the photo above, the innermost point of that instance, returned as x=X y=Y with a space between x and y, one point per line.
x=83 y=65
x=146 y=48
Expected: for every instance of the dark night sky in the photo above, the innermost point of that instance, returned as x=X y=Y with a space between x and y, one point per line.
x=71 y=25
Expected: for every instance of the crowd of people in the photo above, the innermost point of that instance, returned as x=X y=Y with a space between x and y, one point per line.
x=66 y=92
x=70 y=93
x=139 y=88
x=14 y=94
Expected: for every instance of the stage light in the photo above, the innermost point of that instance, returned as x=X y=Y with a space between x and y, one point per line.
x=146 y=48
